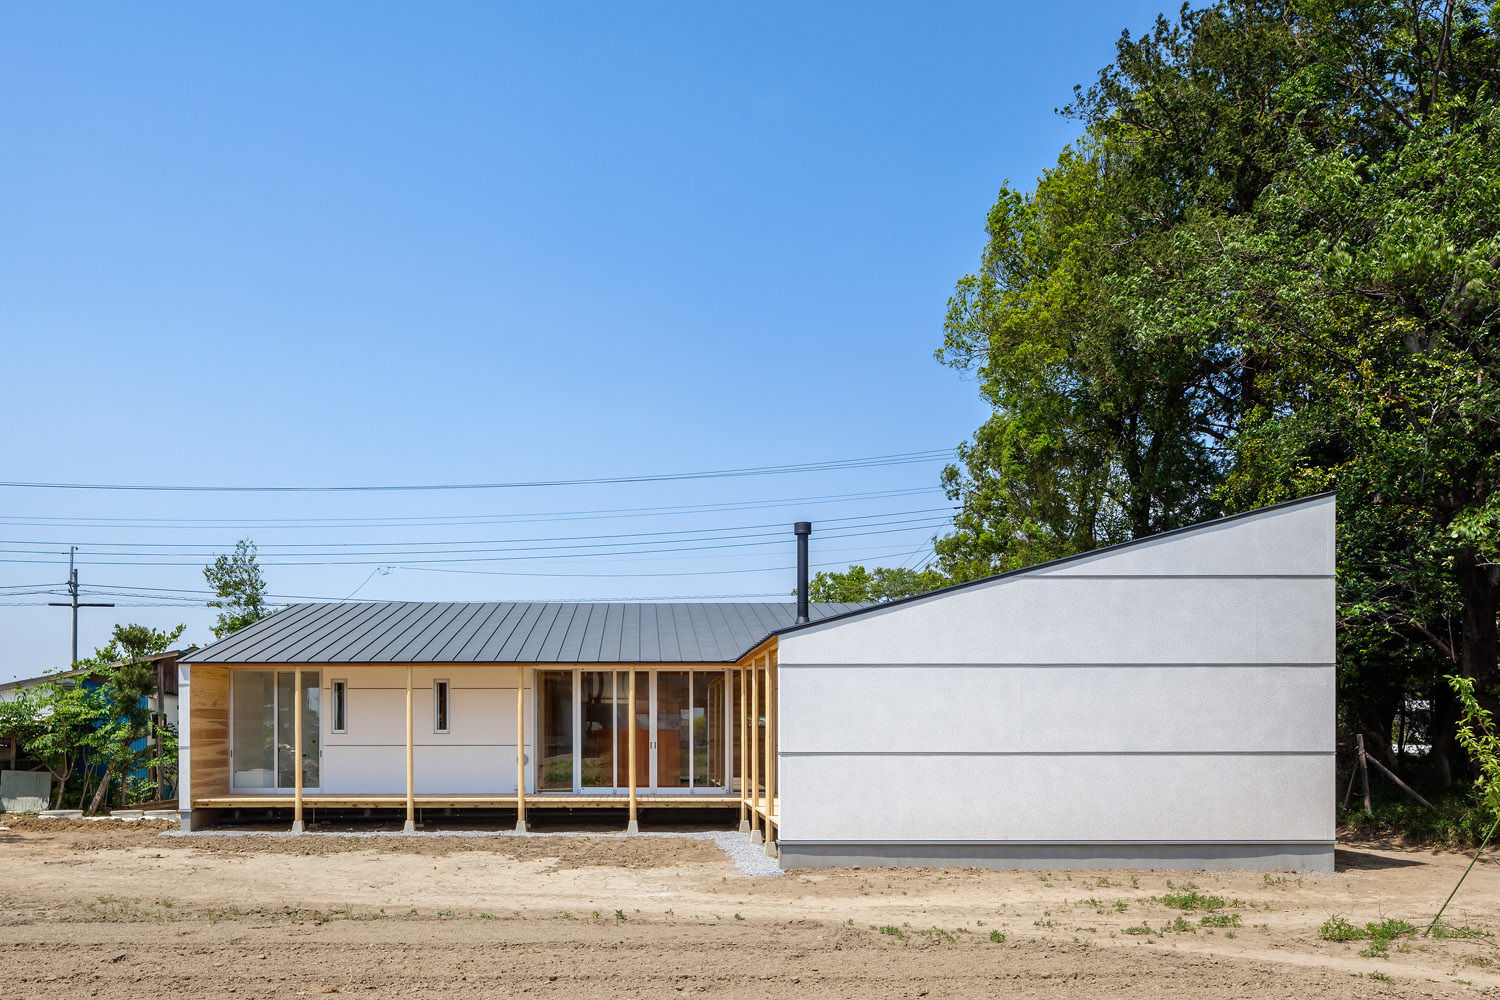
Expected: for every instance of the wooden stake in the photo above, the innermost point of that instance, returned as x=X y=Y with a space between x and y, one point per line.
x=1401 y=784
x=632 y=826
x=1364 y=770
x=297 y=753
x=411 y=766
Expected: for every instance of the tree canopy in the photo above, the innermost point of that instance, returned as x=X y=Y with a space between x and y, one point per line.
x=1267 y=268
x=240 y=588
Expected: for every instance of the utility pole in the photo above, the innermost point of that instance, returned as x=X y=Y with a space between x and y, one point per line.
x=74 y=602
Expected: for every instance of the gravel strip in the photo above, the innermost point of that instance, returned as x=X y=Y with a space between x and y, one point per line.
x=749 y=858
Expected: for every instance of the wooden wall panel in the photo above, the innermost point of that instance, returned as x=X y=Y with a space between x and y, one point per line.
x=208 y=715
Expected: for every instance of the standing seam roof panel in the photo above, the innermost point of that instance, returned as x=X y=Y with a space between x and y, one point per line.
x=521 y=632
x=572 y=640
x=495 y=641
x=383 y=621
x=265 y=643
x=536 y=641
x=630 y=633
x=443 y=612
x=377 y=644
x=453 y=636
x=669 y=644
x=248 y=638
x=467 y=645
x=552 y=645
x=322 y=642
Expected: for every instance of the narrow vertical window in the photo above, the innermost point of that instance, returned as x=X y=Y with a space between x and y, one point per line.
x=440 y=706
x=340 y=697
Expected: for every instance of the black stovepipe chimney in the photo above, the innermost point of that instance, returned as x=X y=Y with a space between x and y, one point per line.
x=802 y=529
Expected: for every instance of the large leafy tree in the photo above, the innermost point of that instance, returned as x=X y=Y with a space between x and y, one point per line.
x=239 y=588
x=1267 y=268
x=128 y=680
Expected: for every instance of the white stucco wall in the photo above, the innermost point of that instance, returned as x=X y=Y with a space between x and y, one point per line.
x=477 y=754
x=1177 y=691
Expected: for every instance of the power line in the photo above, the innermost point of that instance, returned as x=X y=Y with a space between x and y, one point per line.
x=314 y=522
x=759 y=528
x=873 y=461
x=484 y=554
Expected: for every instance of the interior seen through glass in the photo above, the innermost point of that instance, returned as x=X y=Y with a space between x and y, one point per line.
x=687 y=728
x=263 y=728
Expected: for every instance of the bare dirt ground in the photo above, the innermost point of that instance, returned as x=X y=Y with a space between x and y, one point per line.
x=115 y=910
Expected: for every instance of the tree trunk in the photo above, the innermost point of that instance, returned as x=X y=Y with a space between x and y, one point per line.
x=1441 y=727
x=99 y=793
x=1479 y=585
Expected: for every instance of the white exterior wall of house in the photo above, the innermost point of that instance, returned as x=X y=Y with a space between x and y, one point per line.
x=1169 y=704
x=477 y=754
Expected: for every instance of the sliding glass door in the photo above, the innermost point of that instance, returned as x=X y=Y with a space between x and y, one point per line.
x=681 y=717
x=262 y=730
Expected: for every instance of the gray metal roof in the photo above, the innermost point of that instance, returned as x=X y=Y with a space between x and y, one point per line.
x=508 y=632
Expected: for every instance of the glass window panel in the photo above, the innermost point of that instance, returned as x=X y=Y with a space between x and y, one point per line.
x=340 y=706
x=673 y=730
x=440 y=706
x=642 y=730
x=253 y=735
x=597 y=711
x=708 y=730
x=284 y=735
x=312 y=692
x=556 y=735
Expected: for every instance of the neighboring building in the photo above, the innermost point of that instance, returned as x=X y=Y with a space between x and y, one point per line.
x=162 y=702
x=1166 y=703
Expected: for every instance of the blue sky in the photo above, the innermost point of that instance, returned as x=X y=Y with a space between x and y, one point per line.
x=450 y=243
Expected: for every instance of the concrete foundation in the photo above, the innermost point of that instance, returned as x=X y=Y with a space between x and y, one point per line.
x=193 y=820
x=1038 y=856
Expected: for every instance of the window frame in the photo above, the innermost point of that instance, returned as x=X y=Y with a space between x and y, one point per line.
x=443 y=703
x=338 y=702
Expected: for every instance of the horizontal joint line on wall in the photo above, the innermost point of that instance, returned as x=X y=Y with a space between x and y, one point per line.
x=1028 y=666
x=1182 y=576
x=1057 y=753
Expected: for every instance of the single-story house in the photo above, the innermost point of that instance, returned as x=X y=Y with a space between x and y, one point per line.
x=1164 y=703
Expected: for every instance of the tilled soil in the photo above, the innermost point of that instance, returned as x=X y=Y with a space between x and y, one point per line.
x=114 y=910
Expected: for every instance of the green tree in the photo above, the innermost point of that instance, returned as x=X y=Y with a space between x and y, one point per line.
x=1267 y=268
x=55 y=723
x=240 y=588
x=128 y=679
x=858 y=585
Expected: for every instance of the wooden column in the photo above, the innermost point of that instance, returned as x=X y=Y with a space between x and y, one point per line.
x=754 y=790
x=521 y=749
x=633 y=826
x=411 y=766
x=297 y=753
x=744 y=716
x=770 y=741
x=771 y=762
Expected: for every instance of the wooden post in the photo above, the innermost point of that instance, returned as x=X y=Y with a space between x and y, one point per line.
x=754 y=791
x=411 y=766
x=744 y=717
x=771 y=762
x=633 y=826
x=521 y=749
x=1364 y=770
x=297 y=826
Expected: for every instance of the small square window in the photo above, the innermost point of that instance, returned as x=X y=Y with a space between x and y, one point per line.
x=339 y=722
x=440 y=706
